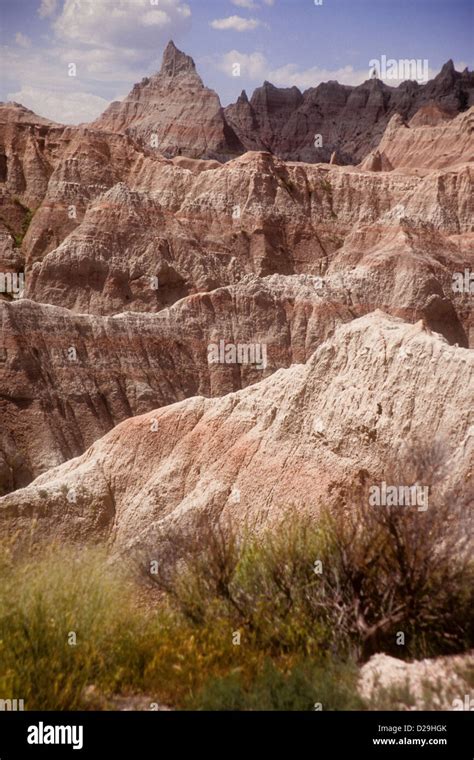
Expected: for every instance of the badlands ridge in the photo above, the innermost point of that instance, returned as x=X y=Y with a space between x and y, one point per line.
x=136 y=257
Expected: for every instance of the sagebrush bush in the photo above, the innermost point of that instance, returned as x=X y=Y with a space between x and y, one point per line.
x=347 y=583
x=266 y=621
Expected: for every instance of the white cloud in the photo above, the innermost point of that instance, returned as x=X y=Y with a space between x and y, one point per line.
x=48 y=69
x=256 y=67
x=253 y=66
x=236 y=23
x=102 y=66
x=113 y=45
x=47 y=8
x=121 y=23
x=289 y=75
x=67 y=108
x=155 y=18
x=22 y=40
x=250 y=4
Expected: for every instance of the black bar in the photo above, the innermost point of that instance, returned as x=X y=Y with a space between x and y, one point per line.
x=308 y=735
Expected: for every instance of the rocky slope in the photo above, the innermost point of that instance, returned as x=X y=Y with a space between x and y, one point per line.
x=350 y=120
x=255 y=250
x=430 y=140
x=137 y=261
x=172 y=110
x=441 y=683
x=297 y=439
x=214 y=322
x=394 y=240
x=67 y=379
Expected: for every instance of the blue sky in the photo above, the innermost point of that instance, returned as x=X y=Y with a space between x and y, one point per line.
x=114 y=43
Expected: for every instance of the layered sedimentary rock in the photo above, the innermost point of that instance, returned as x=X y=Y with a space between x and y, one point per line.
x=174 y=111
x=297 y=439
x=29 y=147
x=124 y=365
x=430 y=140
x=186 y=118
x=349 y=120
x=137 y=262
x=396 y=238
x=67 y=379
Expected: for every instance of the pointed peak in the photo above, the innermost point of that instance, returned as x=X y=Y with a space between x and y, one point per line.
x=175 y=61
x=447 y=70
x=375 y=83
x=448 y=66
x=243 y=98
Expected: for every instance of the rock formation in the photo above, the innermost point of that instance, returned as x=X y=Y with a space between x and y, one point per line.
x=172 y=110
x=430 y=140
x=349 y=120
x=297 y=439
x=441 y=683
x=67 y=379
x=137 y=256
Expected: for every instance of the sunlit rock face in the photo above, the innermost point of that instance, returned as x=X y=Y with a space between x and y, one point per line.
x=193 y=307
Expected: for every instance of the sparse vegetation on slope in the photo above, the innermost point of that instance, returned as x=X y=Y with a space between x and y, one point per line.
x=235 y=621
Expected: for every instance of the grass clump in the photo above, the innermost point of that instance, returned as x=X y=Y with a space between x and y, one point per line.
x=66 y=620
x=27 y=218
x=233 y=620
x=306 y=686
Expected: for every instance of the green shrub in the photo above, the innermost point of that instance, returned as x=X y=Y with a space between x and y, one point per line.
x=382 y=571
x=306 y=686
x=326 y=186
x=48 y=600
x=260 y=585
x=306 y=599
x=28 y=216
